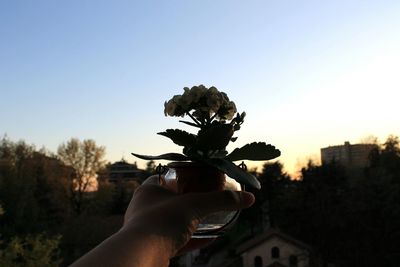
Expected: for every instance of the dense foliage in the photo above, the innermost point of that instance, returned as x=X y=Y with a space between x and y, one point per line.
x=39 y=219
x=349 y=217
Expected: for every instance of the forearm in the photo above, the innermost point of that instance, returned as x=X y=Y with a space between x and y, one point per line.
x=129 y=247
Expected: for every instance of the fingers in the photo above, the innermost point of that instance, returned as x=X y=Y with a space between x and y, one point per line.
x=206 y=203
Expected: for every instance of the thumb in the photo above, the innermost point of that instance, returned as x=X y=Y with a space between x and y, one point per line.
x=206 y=203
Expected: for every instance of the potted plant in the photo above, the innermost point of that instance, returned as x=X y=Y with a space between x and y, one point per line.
x=204 y=161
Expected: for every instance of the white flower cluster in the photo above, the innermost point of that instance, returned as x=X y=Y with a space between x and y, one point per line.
x=203 y=102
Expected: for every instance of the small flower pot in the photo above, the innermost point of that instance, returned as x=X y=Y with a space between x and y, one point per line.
x=194 y=177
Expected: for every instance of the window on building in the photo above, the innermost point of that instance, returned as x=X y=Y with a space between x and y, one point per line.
x=258 y=261
x=275 y=253
x=293 y=261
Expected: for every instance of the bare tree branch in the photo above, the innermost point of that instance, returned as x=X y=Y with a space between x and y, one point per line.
x=86 y=158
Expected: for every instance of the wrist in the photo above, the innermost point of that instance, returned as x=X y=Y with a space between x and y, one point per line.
x=129 y=247
x=153 y=249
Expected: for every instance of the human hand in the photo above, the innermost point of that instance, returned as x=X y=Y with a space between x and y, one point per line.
x=156 y=209
x=159 y=223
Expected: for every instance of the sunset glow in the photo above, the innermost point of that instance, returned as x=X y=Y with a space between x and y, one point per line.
x=308 y=75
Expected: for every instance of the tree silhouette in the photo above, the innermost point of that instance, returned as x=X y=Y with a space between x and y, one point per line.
x=86 y=158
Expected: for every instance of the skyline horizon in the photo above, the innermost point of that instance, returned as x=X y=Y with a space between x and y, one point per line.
x=294 y=172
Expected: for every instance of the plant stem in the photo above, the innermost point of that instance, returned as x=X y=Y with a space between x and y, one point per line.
x=213 y=117
x=193 y=118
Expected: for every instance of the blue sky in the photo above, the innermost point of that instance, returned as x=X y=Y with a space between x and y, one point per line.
x=308 y=73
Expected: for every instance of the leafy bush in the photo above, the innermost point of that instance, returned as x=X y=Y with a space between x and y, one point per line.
x=30 y=251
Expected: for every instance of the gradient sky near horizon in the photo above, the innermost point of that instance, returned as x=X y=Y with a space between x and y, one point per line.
x=309 y=74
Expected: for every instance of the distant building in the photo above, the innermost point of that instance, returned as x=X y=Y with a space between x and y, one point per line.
x=121 y=172
x=347 y=155
x=273 y=248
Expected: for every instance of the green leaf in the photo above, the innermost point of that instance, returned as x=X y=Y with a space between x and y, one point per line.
x=179 y=137
x=254 y=151
x=168 y=156
x=215 y=137
x=234 y=172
